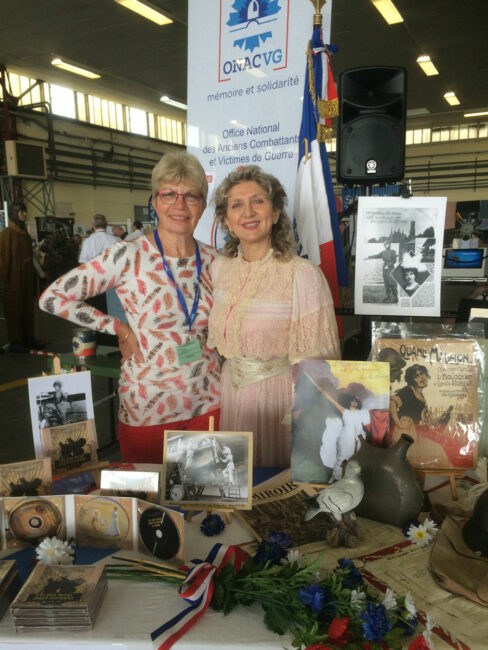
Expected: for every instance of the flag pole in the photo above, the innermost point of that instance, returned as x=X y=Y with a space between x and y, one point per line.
x=317 y=17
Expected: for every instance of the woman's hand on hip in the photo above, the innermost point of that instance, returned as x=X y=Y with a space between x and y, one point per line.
x=128 y=345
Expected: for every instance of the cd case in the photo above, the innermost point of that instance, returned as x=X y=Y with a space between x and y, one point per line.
x=108 y=522
x=70 y=445
x=142 y=485
x=29 y=478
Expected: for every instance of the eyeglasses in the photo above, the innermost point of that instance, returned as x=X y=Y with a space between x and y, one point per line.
x=170 y=197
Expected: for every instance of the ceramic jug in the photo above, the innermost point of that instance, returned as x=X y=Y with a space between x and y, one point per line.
x=392 y=493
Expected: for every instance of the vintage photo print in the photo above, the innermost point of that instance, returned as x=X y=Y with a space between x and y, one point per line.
x=207 y=469
x=131 y=483
x=30 y=478
x=59 y=399
x=434 y=399
x=399 y=255
x=336 y=405
x=70 y=445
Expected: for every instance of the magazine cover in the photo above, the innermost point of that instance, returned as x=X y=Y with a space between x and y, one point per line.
x=103 y=521
x=70 y=445
x=28 y=521
x=203 y=469
x=29 y=478
x=59 y=399
x=434 y=399
x=399 y=255
x=131 y=483
x=335 y=405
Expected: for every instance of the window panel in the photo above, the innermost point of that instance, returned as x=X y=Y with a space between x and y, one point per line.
x=63 y=101
x=137 y=121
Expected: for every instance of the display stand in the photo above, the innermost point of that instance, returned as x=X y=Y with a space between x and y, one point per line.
x=450 y=473
x=227 y=512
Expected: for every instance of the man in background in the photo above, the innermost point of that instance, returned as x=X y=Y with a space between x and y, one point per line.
x=119 y=232
x=98 y=241
x=137 y=230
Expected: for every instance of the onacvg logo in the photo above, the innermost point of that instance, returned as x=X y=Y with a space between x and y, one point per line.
x=252 y=12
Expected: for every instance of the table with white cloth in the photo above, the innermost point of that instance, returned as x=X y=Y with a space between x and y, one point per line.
x=132 y=609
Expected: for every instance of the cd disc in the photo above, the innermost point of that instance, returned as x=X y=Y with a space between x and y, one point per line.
x=159 y=533
x=33 y=519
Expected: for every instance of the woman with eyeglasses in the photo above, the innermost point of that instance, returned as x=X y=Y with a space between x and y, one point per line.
x=169 y=378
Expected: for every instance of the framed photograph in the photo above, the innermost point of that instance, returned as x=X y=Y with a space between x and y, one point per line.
x=336 y=404
x=399 y=255
x=59 y=399
x=29 y=478
x=207 y=469
x=434 y=399
x=124 y=483
x=70 y=445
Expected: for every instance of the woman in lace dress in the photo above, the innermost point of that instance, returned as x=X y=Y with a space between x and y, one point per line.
x=271 y=309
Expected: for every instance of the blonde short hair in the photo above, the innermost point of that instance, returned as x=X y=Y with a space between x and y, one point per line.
x=177 y=166
x=281 y=233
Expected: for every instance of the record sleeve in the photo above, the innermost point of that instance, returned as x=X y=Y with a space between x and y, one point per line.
x=29 y=520
x=70 y=445
x=160 y=531
x=27 y=478
x=103 y=521
x=434 y=398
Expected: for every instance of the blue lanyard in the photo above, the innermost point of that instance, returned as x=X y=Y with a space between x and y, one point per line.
x=190 y=318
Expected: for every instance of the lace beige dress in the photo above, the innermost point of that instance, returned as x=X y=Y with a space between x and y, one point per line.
x=267 y=315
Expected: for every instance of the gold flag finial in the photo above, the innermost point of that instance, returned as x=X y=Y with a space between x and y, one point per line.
x=317 y=17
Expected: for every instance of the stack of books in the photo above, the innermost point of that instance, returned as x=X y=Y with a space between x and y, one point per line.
x=59 y=598
x=9 y=584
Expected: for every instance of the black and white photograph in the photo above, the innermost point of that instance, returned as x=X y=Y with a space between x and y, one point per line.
x=399 y=255
x=57 y=400
x=207 y=469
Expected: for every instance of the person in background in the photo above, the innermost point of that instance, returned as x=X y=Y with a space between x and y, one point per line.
x=60 y=254
x=119 y=232
x=137 y=230
x=170 y=378
x=16 y=274
x=98 y=241
x=271 y=309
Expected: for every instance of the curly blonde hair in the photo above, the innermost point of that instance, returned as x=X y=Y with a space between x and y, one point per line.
x=281 y=233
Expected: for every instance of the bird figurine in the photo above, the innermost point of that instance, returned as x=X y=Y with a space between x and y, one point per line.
x=338 y=501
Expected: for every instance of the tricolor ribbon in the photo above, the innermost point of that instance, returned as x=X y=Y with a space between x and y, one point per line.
x=197 y=589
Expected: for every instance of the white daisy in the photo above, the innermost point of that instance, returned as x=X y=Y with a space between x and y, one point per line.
x=54 y=551
x=431 y=527
x=410 y=605
x=419 y=535
x=357 y=596
x=389 y=599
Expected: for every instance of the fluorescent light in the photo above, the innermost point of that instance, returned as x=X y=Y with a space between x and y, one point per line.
x=59 y=63
x=478 y=114
x=146 y=10
x=427 y=66
x=388 y=10
x=451 y=98
x=173 y=102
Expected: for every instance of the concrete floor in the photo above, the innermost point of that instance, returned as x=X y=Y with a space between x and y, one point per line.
x=15 y=423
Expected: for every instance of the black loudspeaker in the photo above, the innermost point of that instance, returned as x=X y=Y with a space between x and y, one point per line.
x=371 y=125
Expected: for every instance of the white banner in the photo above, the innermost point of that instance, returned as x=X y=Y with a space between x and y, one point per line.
x=246 y=67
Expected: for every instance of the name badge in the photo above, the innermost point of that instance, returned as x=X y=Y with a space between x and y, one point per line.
x=189 y=352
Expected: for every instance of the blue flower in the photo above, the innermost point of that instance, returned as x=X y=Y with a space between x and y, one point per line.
x=353 y=578
x=313 y=597
x=212 y=525
x=411 y=522
x=274 y=549
x=375 y=622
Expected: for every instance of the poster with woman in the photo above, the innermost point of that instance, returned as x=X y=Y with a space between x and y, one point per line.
x=434 y=399
x=399 y=255
x=336 y=405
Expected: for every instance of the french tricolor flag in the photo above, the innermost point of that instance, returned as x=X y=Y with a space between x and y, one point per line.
x=315 y=213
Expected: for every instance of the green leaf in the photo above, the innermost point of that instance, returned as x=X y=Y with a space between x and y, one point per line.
x=276 y=620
